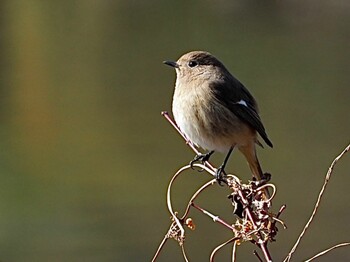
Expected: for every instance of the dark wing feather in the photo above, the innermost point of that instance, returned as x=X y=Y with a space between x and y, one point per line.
x=230 y=91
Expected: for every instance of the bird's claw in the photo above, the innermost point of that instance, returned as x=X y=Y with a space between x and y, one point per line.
x=266 y=177
x=201 y=158
x=220 y=176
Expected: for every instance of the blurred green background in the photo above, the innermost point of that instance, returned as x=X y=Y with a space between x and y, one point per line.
x=86 y=156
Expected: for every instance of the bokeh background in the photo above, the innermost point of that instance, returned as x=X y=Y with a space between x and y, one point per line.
x=86 y=156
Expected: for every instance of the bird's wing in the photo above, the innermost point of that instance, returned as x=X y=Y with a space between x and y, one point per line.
x=240 y=102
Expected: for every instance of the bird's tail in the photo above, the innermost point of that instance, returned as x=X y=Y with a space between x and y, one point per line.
x=250 y=154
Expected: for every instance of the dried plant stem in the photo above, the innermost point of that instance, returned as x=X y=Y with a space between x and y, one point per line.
x=328 y=176
x=254 y=213
x=234 y=240
x=194 y=196
x=262 y=244
x=184 y=253
x=188 y=142
x=215 y=218
x=160 y=247
x=234 y=248
x=327 y=250
x=170 y=208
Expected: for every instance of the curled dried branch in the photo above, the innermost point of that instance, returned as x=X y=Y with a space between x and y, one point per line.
x=232 y=240
x=255 y=223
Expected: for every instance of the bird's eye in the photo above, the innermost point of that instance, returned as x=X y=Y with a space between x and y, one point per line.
x=192 y=63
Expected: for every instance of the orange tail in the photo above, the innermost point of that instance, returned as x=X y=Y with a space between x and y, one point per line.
x=250 y=154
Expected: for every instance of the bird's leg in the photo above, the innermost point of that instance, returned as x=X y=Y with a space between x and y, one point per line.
x=220 y=172
x=265 y=178
x=201 y=157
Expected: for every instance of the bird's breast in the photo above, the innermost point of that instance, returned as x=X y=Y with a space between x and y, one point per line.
x=204 y=120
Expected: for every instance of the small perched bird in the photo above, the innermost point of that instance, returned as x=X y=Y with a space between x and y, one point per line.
x=215 y=111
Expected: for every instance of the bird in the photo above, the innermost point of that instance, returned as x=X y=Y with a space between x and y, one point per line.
x=216 y=111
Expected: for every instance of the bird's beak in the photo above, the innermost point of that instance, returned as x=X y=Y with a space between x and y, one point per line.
x=171 y=63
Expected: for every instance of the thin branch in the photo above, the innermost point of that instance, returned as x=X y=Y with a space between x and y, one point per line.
x=328 y=176
x=234 y=240
x=188 y=142
x=160 y=247
x=215 y=218
x=190 y=203
x=262 y=244
x=257 y=215
x=170 y=208
x=257 y=255
x=184 y=253
x=328 y=250
x=234 y=249
x=176 y=226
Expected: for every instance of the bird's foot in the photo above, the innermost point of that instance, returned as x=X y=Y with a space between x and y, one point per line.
x=201 y=158
x=221 y=176
x=266 y=177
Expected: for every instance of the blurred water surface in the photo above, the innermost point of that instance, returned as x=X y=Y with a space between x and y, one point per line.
x=86 y=156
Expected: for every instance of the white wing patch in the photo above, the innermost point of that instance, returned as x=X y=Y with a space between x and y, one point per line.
x=242 y=102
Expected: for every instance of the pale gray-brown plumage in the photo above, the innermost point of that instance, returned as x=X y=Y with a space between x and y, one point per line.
x=214 y=110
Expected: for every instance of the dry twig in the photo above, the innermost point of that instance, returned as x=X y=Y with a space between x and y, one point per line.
x=328 y=176
x=256 y=223
x=326 y=251
x=232 y=240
